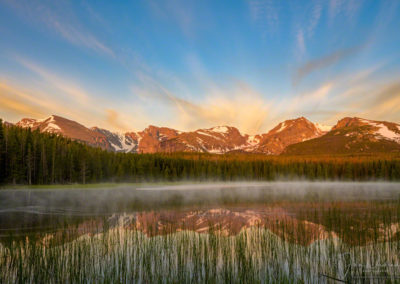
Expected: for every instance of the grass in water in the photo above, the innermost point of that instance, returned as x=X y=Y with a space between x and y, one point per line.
x=310 y=241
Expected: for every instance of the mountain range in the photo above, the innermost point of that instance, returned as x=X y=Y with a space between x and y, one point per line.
x=294 y=136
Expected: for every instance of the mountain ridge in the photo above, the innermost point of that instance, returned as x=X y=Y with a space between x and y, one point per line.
x=291 y=136
x=352 y=135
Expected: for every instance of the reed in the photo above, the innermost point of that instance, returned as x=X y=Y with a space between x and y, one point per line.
x=278 y=252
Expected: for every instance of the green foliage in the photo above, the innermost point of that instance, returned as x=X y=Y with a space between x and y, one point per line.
x=31 y=157
x=2 y=152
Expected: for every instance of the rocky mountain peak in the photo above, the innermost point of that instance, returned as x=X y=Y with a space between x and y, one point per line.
x=348 y=122
x=218 y=139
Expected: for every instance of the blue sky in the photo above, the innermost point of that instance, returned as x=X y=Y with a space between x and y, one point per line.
x=192 y=64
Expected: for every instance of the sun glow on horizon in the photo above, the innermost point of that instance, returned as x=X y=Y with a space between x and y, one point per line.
x=197 y=64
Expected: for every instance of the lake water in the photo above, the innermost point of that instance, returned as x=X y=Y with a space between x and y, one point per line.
x=221 y=232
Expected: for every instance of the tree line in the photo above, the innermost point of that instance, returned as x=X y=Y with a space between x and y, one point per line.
x=31 y=157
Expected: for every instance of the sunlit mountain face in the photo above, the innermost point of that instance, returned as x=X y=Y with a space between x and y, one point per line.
x=189 y=65
x=293 y=136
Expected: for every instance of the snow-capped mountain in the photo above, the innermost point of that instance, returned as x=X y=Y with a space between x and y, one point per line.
x=224 y=139
x=378 y=129
x=353 y=135
x=119 y=142
x=217 y=140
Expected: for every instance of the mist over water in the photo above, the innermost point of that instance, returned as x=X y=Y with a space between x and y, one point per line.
x=139 y=197
x=31 y=208
x=270 y=231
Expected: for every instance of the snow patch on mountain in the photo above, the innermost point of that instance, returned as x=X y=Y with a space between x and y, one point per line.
x=253 y=140
x=282 y=126
x=218 y=140
x=220 y=129
x=26 y=122
x=216 y=151
x=51 y=127
x=126 y=144
x=202 y=132
x=383 y=131
x=49 y=123
x=389 y=134
x=323 y=128
x=190 y=146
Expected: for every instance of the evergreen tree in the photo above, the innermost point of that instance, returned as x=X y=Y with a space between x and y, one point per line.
x=31 y=157
x=2 y=154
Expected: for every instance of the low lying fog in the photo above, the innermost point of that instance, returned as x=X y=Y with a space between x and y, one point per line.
x=134 y=197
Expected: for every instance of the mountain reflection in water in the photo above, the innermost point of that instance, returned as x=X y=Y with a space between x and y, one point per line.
x=215 y=233
x=297 y=212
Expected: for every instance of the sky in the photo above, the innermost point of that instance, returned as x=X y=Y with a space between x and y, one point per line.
x=124 y=65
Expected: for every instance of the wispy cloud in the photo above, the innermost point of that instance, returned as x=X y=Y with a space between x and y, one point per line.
x=17 y=102
x=305 y=25
x=323 y=62
x=51 y=93
x=239 y=106
x=265 y=13
x=363 y=95
x=70 y=89
x=335 y=6
x=56 y=19
x=385 y=102
x=349 y=8
x=301 y=45
x=181 y=12
x=75 y=36
x=113 y=118
x=314 y=17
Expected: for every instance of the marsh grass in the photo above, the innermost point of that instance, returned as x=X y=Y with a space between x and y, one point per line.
x=298 y=239
x=282 y=253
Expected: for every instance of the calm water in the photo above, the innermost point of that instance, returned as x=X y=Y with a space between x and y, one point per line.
x=281 y=231
x=233 y=206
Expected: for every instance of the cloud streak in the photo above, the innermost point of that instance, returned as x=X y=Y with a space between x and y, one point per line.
x=314 y=17
x=240 y=106
x=181 y=12
x=252 y=113
x=57 y=95
x=323 y=62
x=62 y=24
x=350 y=8
x=16 y=102
x=266 y=14
x=69 y=89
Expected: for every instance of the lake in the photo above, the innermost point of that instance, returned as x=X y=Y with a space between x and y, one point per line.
x=220 y=232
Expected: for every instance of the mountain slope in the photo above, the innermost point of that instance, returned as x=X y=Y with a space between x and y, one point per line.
x=218 y=140
x=287 y=133
x=352 y=135
x=119 y=142
x=150 y=139
x=68 y=128
x=295 y=136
